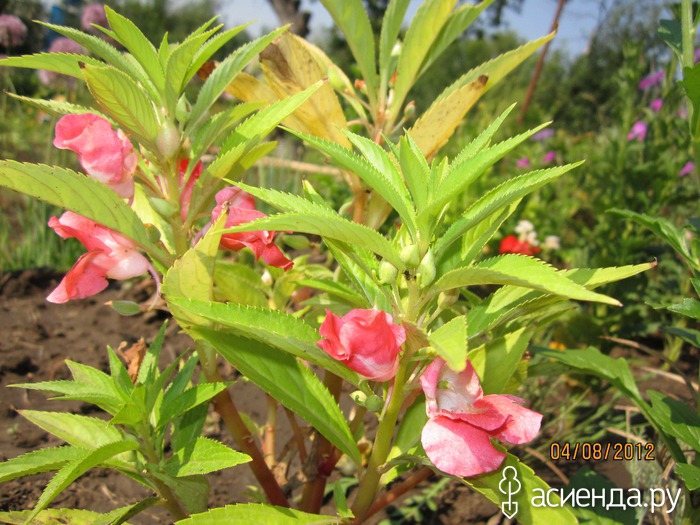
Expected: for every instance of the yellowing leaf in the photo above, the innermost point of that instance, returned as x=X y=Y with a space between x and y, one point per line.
x=439 y=122
x=248 y=88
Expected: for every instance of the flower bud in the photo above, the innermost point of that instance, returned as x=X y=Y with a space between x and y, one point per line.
x=153 y=233
x=426 y=269
x=387 y=272
x=182 y=110
x=371 y=402
x=164 y=208
x=409 y=110
x=410 y=255
x=168 y=140
x=448 y=298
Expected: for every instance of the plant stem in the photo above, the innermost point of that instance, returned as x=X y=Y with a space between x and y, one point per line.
x=270 y=429
x=399 y=490
x=224 y=406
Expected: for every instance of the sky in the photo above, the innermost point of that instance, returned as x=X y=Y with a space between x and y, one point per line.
x=577 y=22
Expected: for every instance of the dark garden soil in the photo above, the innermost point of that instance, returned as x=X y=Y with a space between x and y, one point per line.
x=36 y=337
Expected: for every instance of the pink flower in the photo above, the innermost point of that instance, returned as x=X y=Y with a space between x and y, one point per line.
x=655 y=105
x=13 y=32
x=186 y=189
x=652 y=80
x=549 y=157
x=687 y=169
x=512 y=244
x=523 y=162
x=93 y=14
x=367 y=341
x=104 y=154
x=542 y=135
x=696 y=56
x=638 y=131
x=241 y=209
x=462 y=421
x=109 y=255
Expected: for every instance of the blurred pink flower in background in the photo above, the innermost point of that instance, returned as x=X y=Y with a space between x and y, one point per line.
x=696 y=56
x=542 y=135
x=549 y=157
x=462 y=421
x=523 y=162
x=638 y=131
x=652 y=80
x=687 y=169
x=241 y=209
x=109 y=255
x=104 y=154
x=13 y=32
x=367 y=341
x=93 y=14
x=656 y=104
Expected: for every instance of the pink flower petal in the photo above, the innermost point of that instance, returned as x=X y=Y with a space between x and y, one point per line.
x=86 y=278
x=458 y=448
x=522 y=424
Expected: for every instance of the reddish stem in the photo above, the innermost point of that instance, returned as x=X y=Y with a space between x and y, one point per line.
x=398 y=490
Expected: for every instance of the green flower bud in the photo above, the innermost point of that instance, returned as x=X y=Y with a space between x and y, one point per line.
x=168 y=140
x=164 y=208
x=426 y=269
x=371 y=402
x=125 y=308
x=182 y=110
x=448 y=298
x=410 y=255
x=387 y=272
x=153 y=232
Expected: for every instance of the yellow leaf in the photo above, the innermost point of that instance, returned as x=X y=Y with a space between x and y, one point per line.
x=439 y=122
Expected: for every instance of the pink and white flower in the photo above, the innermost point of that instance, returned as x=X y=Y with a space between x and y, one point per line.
x=241 y=209
x=638 y=131
x=462 y=421
x=104 y=154
x=110 y=254
x=367 y=341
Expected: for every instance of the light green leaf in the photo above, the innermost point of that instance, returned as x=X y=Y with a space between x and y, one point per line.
x=286 y=380
x=391 y=27
x=415 y=171
x=212 y=46
x=482 y=140
x=336 y=290
x=187 y=428
x=124 y=101
x=119 y=373
x=450 y=341
x=223 y=75
x=676 y=418
x=497 y=199
x=212 y=131
x=520 y=270
x=120 y=515
x=496 y=361
x=41 y=460
x=80 y=431
x=327 y=225
x=67 y=189
x=203 y=456
x=407 y=436
x=63 y=63
x=126 y=33
x=73 y=470
x=424 y=29
x=689 y=307
x=192 y=491
x=54 y=517
x=528 y=514
x=278 y=329
x=108 y=400
x=690 y=474
x=56 y=108
x=255 y=514
x=350 y=16
x=190 y=398
x=239 y=283
x=476 y=238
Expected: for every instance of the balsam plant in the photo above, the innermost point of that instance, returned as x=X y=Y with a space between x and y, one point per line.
x=412 y=321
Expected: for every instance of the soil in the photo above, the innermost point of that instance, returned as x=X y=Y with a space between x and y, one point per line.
x=36 y=339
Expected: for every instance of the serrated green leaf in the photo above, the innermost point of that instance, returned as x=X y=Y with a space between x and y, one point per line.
x=181 y=380
x=482 y=140
x=689 y=307
x=676 y=418
x=239 y=283
x=285 y=379
x=255 y=514
x=427 y=23
x=108 y=400
x=389 y=35
x=224 y=74
x=42 y=460
x=63 y=63
x=212 y=46
x=203 y=456
x=54 y=517
x=192 y=491
x=416 y=172
x=56 y=108
x=77 y=468
x=337 y=290
x=126 y=33
x=67 y=189
x=120 y=515
x=124 y=101
x=80 y=431
x=690 y=475
x=520 y=270
x=119 y=373
x=496 y=361
x=671 y=32
x=187 y=428
x=476 y=238
x=350 y=16
x=450 y=341
x=187 y=400
x=498 y=198
x=212 y=131
x=528 y=514
x=690 y=336
x=278 y=329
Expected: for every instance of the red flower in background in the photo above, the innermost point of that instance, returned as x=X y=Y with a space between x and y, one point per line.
x=241 y=209
x=109 y=255
x=512 y=244
x=367 y=341
x=104 y=154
